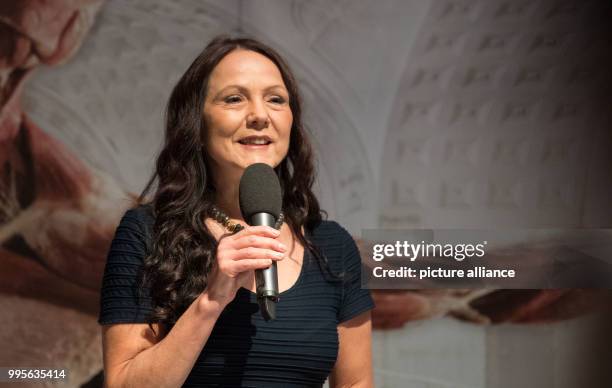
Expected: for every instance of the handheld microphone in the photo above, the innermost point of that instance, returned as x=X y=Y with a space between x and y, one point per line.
x=261 y=203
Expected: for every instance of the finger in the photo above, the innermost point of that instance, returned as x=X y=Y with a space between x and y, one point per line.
x=405 y=303
x=393 y=325
x=257 y=241
x=256 y=253
x=403 y=311
x=249 y=265
x=376 y=316
x=261 y=230
x=378 y=323
x=392 y=320
x=386 y=324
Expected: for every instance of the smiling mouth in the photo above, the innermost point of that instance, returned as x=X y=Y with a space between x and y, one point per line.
x=255 y=141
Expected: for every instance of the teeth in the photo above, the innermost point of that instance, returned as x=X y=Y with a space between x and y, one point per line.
x=256 y=141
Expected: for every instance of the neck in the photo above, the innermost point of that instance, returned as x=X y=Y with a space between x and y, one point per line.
x=227 y=196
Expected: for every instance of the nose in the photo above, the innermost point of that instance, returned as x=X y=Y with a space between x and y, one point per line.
x=257 y=117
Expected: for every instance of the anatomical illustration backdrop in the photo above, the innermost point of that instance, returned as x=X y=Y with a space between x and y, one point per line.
x=424 y=114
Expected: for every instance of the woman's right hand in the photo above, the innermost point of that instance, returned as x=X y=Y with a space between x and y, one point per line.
x=254 y=247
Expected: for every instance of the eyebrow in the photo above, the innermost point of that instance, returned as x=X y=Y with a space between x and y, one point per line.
x=242 y=89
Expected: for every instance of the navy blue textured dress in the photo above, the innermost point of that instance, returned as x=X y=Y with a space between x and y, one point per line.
x=298 y=349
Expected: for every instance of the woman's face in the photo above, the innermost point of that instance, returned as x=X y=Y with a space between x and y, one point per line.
x=247 y=113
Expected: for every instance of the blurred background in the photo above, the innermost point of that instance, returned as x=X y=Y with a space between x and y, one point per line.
x=424 y=114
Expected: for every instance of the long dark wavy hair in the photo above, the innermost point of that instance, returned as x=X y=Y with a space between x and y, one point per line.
x=182 y=249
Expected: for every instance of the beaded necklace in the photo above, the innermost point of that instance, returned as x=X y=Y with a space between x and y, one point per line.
x=234 y=227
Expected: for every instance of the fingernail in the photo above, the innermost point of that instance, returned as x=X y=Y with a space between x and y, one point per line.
x=282 y=247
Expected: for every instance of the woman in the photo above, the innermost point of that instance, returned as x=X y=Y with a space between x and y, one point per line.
x=193 y=318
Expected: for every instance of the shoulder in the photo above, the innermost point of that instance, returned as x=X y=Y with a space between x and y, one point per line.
x=330 y=230
x=142 y=214
x=335 y=242
x=122 y=299
x=139 y=218
x=135 y=227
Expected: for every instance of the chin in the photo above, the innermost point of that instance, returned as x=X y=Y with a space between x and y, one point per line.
x=272 y=162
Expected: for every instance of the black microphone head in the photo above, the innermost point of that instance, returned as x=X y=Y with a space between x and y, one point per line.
x=260 y=191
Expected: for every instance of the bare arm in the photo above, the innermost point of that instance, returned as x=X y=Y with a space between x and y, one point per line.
x=354 y=364
x=135 y=357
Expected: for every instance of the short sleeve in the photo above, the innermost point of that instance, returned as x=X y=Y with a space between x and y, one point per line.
x=121 y=300
x=355 y=300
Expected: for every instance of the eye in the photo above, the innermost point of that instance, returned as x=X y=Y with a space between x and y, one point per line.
x=232 y=99
x=277 y=100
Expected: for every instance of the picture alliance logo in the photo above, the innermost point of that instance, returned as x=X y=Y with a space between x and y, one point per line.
x=480 y=272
